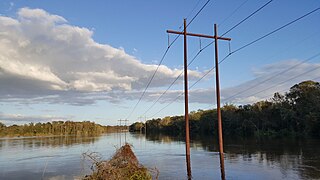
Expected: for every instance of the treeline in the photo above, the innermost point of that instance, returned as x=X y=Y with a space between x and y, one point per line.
x=297 y=112
x=56 y=128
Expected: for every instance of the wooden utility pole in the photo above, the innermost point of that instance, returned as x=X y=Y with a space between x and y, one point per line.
x=186 y=107
x=218 y=103
x=125 y=133
x=186 y=99
x=216 y=38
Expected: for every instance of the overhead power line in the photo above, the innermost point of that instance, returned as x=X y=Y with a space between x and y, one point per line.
x=294 y=77
x=164 y=55
x=194 y=8
x=233 y=12
x=250 y=43
x=276 y=30
x=213 y=41
x=242 y=21
x=175 y=80
x=270 y=33
x=194 y=17
x=314 y=79
x=203 y=76
x=272 y=77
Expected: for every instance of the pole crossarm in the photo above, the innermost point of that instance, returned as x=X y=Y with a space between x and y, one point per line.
x=124 y=120
x=198 y=35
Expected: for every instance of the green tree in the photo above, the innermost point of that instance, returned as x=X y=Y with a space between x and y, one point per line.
x=305 y=101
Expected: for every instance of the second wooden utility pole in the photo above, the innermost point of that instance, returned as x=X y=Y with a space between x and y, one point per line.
x=216 y=38
x=218 y=103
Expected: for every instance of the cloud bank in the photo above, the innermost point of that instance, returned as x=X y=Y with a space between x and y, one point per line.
x=44 y=58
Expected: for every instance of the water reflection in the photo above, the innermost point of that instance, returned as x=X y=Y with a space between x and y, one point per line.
x=60 y=156
x=53 y=141
x=288 y=154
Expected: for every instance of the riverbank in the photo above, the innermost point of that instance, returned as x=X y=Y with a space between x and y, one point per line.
x=57 y=128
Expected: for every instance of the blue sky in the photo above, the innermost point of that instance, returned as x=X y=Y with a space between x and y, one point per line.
x=91 y=60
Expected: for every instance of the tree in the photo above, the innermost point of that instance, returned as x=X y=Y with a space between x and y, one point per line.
x=2 y=125
x=305 y=100
x=137 y=126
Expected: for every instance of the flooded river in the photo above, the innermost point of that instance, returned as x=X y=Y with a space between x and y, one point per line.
x=60 y=157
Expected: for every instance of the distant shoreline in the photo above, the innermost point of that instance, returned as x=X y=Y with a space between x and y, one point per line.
x=56 y=128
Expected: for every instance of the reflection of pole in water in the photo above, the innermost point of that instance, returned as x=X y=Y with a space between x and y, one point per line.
x=120 y=130
x=145 y=131
x=145 y=126
x=125 y=132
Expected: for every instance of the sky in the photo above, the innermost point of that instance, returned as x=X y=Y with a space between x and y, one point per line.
x=92 y=60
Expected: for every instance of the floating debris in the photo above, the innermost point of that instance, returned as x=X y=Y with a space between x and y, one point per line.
x=124 y=165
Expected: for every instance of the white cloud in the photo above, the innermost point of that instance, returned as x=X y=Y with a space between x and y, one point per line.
x=43 y=57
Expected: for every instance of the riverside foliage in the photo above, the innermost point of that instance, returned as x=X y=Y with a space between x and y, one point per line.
x=56 y=128
x=297 y=112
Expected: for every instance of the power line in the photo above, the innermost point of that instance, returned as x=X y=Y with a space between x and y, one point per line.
x=198 y=53
x=314 y=79
x=270 y=33
x=233 y=26
x=306 y=38
x=196 y=82
x=223 y=21
x=297 y=43
x=271 y=77
x=256 y=11
x=164 y=55
x=286 y=80
x=172 y=83
x=194 y=17
x=152 y=77
x=281 y=84
x=252 y=42
x=194 y=8
x=278 y=29
x=168 y=104
x=183 y=93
